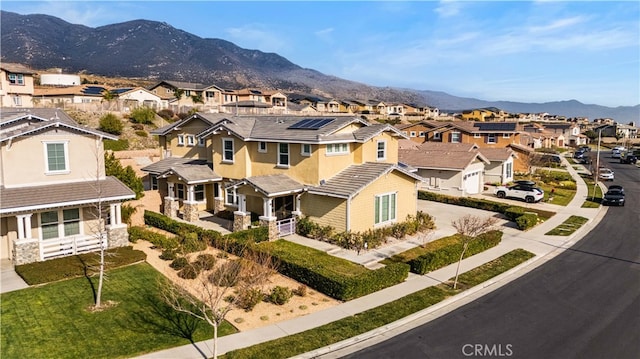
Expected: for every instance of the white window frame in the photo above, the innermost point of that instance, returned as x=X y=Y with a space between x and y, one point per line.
x=437 y=135
x=380 y=151
x=202 y=142
x=60 y=223
x=281 y=154
x=16 y=79
x=477 y=135
x=230 y=193
x=65 y=145
x=492 y=139
x=191 y=140
x=225 y=158
x=334 y=149
x=392 y=210
x=421 y=134
x=180 y=140
x=506 y=135
x=412 y=134
x=458 y=135
x=305 y=149
x=17 y=100
x=262 y=147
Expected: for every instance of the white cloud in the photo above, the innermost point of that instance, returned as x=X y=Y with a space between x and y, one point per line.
x=448 y=8
x=558 y=24
x=325 y=34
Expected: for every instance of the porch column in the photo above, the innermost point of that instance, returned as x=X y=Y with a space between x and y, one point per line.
x=117 y=234
x=218 y=202
x=170 y=203
x=25 y=248
x=267 y=205
x=272 y=226
x=24 y=226
x=241 y=219
x=296 y=209
x=191 y=211
x=20 y=226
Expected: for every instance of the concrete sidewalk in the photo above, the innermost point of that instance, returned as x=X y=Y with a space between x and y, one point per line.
x=545 y=247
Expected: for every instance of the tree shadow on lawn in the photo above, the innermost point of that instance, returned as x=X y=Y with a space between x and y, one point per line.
x=165 y=320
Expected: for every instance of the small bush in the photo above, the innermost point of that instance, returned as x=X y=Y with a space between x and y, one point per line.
x=249 y=298
x=226 y=275
x=512 y=213
x=179 y=263
x=188 y=272
x=142 y=133
x=115 y=145
x=301 y=291
x=137 y=126
x=527 y=221
x=142 y=115
x=230 y=298
x=110 y=123
x=191 y=243
x=166 y=114
x=127 y=211
x=168 y=255
x=280 y=295
x=205 y=261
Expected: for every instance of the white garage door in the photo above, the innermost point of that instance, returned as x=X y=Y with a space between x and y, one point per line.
x=472 y=182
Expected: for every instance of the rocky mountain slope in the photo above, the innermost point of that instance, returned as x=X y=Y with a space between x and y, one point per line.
x=157 y=51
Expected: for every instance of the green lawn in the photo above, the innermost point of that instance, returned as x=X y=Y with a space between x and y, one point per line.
x=374 y=318
x=561 y=196
x=569 y=226
x=594 y=198
x=52 y=320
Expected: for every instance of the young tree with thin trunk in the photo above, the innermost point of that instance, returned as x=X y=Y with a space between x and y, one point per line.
x=219 y=290
x=469 y=227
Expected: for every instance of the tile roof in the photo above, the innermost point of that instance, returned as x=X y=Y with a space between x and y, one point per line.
x=172 y=162
x=497 y=154
x=449 y=160
x=355 y=178
x=273 y=185
x=48 y=196
x=248 y=103
x=190 y=172
x=521 y=148
x=404 y=144
x=447 y=146
x=16 y=68
x=15 y=123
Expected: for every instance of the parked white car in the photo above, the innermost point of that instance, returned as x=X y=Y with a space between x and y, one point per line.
x=527 y=193
x=605 y=174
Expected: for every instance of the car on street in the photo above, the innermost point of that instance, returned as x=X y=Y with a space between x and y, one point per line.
x=606 y=174
x=579 y=154
x=616 y=187
x=614 y=197
x=615 y=153
x=629 y=159
x=527 y=193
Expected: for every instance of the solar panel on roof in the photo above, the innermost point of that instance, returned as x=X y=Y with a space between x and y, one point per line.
x=493 y=126
x=93 y=90
x=311 y=123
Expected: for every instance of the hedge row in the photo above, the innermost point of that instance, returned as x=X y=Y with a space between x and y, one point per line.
x=305 y=269
x=450 y=254
x=318 y=270
x=77 y=265
x=504 y=208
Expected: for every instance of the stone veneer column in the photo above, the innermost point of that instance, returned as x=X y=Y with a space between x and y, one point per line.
x=171 y=207
x=117 y=236
x=26 y=251
x=191 y=211
x=218 y=205
x=270 y=223
x=241 y=220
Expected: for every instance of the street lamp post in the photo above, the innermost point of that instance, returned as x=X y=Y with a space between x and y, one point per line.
x=597 y=171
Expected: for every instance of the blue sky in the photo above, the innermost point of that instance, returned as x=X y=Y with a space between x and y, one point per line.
x=526 y=51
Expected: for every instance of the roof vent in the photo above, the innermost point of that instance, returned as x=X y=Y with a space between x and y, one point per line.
x=322 y=182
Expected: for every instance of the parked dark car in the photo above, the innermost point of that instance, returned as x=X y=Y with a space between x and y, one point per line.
x=629 y=159
x=615 y=187
x=613 y=197
x=584 y=148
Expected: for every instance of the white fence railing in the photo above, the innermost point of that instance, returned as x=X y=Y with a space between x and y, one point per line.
x=286 y=226
x=50 y=248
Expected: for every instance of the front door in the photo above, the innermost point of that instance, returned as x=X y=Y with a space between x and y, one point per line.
x=283 y=206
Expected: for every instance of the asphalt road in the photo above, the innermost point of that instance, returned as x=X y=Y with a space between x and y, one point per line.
x=584 y=303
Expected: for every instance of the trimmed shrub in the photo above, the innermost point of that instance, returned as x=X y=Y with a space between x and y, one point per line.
x=168 y=255
x=179 y=263
x=512 y=213
x=301 y=291
x=188 y=272
x=280 y=295
x=110 y=123
x=142 y=115
x=248 y=298
x=205 y=261
x=451 y=254
x=142 y=133
x=527 y=221
x=189 y=243
x=115 y=145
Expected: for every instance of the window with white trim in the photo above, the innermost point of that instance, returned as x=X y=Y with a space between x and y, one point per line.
x=180 y=140
x=413 y=134
x=262 y=147
x=227 y=150
x=17 y=100
x=231 y=198
x=49 y=224
x=71 y=221
x=436 y=135
x=198 y=192
x=180 y=191
x=491 y=138
x=421 y=134
x=191 y=140
x=455 y=137
x=509 y=170
x=202 y=142
x=477 y=135
x=16 y=79
x=305 y=149
x=57 y=157
x=381 y=154
x=337 y=148
x=385 y=208
x=283 y=154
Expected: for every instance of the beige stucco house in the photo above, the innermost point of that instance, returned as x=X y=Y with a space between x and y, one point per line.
x=339 y=171
x=16 y=85
x=52 y=183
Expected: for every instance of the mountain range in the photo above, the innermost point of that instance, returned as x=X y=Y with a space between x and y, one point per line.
x=157 y=51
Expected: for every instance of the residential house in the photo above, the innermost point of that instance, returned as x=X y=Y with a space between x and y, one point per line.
x=455 y=169
x=131 y=98
x=501 y=167
x=522 y=160
x=183 y=96
x=250 y=97
x=16 y=85
x=483 y=134
x=415 y=131
x=339 y=171
x=83 y=97
x=53 y=186
x=621 y=130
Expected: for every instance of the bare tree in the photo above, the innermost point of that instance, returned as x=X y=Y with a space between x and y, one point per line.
x=469 y=228
x=217 y=291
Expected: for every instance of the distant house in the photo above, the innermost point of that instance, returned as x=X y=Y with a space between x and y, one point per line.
x=182 y=96
x=16 y=85
x=501 y=167
x=132 y=98
x=483 y=134
x=52 y=183
x=84 y=97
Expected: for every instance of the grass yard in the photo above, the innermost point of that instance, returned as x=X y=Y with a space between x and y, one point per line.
x=569 y=226
x=374 y=318
x=594 y=198
x=52 y=321
x=561 y=196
